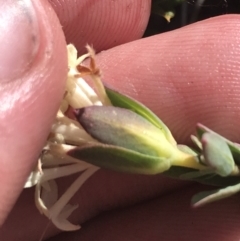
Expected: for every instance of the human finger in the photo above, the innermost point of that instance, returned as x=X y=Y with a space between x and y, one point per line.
x=33 y=71
x=103 y=24
x=185 y=76
x=165 y=92
x=166 y=218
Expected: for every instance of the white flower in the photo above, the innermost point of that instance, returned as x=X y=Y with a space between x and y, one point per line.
x=53 y=162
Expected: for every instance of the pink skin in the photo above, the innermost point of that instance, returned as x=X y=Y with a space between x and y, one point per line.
x=110 y=23
x=186 y=76
x=30 y=91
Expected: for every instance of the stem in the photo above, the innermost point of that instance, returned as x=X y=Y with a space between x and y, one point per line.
x=186 y=160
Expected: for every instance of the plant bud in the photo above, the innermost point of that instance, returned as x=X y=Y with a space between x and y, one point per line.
x=124 y=128
x=217 y=154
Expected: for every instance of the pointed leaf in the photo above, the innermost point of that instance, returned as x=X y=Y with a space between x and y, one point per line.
x=209 y=179
x=234 y=147
x=124 y=101
x=217 y=154
x=125 y=128
x=187 y=150
x=193 y=175
x=203 y=198
x=196 y=141
x=120 y=159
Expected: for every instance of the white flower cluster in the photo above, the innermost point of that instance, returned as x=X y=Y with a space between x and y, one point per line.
x=66 y=132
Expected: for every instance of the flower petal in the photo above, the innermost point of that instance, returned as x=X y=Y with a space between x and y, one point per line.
x=33 y=179
x=65 y=225
x=57 y=208
x=49 y=196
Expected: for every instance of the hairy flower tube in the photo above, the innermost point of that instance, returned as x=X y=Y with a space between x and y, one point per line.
x=97 y=127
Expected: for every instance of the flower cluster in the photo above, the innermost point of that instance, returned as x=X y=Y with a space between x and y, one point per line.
x=66 y=131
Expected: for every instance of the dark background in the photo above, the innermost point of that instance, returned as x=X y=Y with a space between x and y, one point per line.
x=190 y=11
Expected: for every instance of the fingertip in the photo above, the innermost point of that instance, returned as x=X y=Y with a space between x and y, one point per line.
x=103 y=24
x=29 y=98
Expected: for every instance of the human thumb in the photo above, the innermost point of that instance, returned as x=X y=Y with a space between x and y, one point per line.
x=33 y=69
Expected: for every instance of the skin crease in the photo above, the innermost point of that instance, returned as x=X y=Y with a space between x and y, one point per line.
x=211 y=62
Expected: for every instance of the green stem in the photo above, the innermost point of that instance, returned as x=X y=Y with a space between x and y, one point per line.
x=186 y=160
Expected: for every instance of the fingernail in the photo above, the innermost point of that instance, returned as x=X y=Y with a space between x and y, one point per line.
x=19 y=38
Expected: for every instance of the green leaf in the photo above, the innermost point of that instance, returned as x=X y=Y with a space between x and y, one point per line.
x=196 y=141
x=124 y=101
x=217 y=154
x=120 y=159
x=203 y=198
x=187 y=149
x=193 y=175
x=124 y=128
x=209 y=179
x=234 y=147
